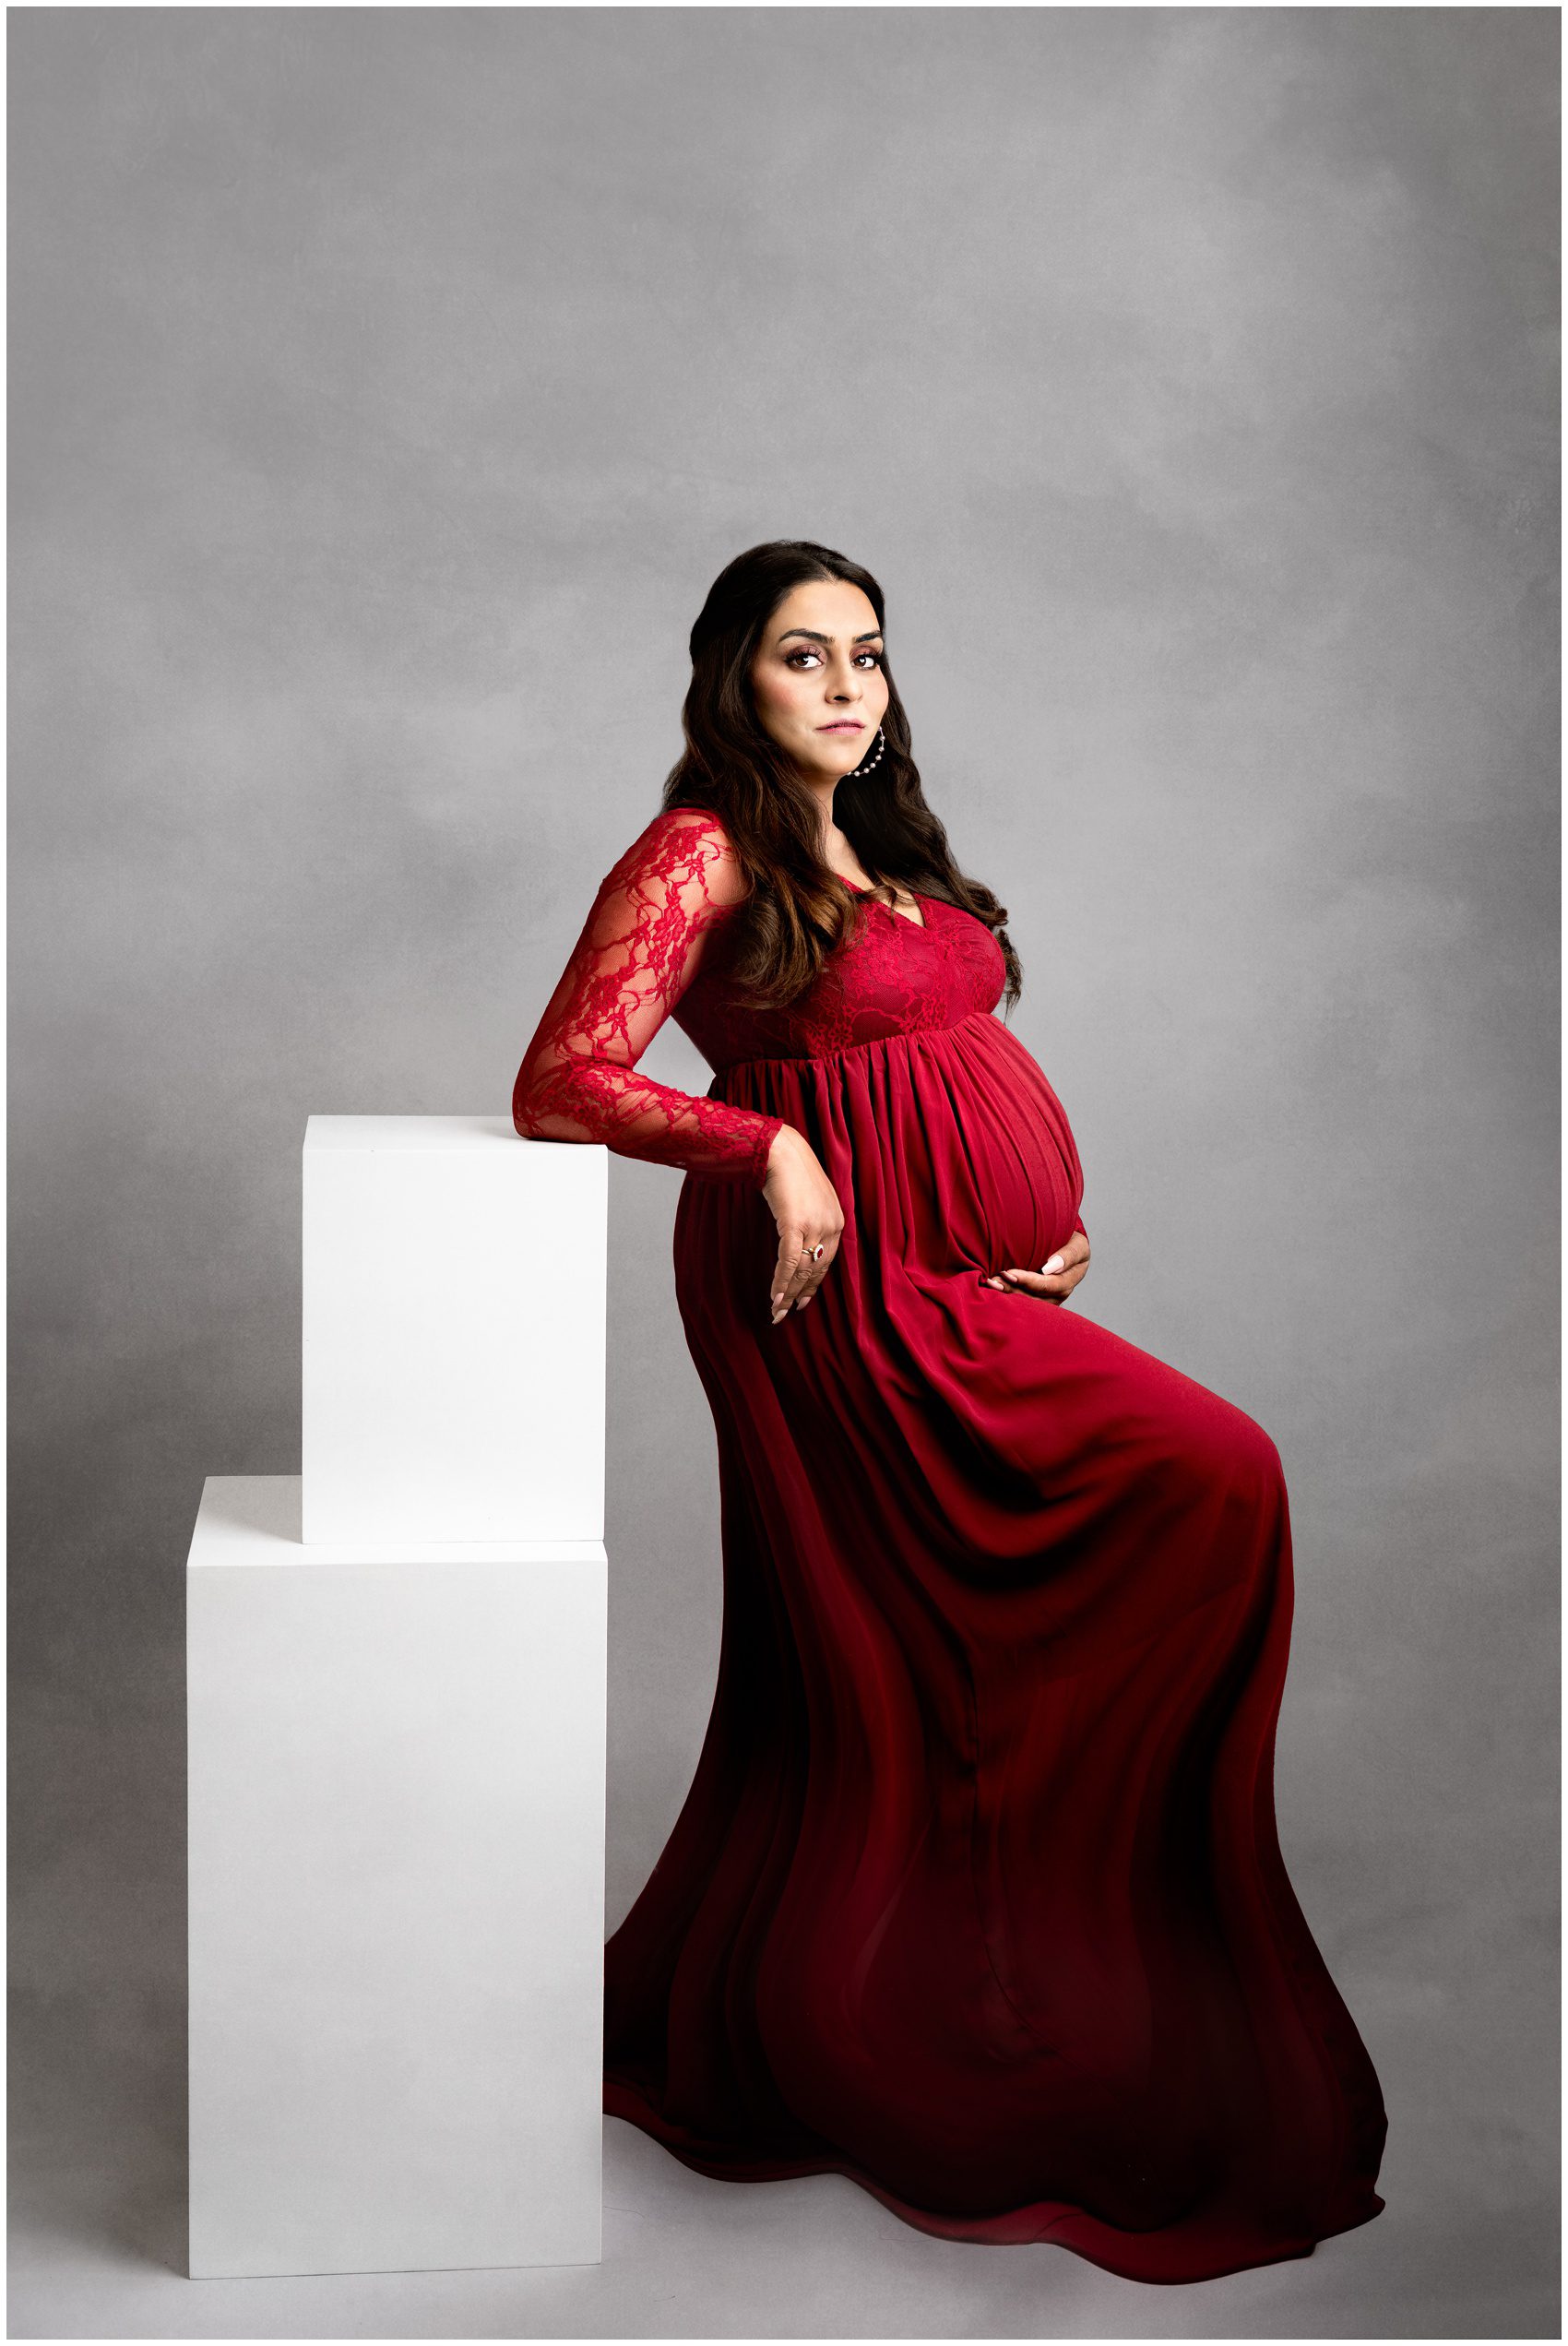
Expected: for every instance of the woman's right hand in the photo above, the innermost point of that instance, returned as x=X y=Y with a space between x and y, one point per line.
x=805 y=1206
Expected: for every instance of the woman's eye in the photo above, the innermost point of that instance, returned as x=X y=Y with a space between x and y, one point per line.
x=791 y=657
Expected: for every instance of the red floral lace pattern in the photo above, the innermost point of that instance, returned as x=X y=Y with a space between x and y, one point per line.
x=641 y=947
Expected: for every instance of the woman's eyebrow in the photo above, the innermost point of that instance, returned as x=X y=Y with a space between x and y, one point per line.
x=871 y=635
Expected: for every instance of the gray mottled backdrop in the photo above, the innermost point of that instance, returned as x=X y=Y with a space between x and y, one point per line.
x=386 y=389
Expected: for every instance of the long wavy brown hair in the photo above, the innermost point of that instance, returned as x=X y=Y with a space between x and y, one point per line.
x=797 y=912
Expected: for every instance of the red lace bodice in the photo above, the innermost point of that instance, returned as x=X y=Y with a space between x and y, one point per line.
x=656 y=944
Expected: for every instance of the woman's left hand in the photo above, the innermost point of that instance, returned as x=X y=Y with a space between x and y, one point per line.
x=1057 y=1278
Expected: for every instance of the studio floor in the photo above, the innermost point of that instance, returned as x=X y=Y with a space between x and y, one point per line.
x=98 y=2243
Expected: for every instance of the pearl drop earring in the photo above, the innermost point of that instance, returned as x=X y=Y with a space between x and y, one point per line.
x=871 y=763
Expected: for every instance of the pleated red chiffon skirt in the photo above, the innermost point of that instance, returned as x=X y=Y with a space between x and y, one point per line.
x=977 y=1896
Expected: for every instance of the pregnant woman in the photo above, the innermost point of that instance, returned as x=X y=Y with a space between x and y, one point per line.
x=976 y=1895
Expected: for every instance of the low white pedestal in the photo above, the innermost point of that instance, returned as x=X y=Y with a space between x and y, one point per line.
x=397 y=1893
x=454 y=1331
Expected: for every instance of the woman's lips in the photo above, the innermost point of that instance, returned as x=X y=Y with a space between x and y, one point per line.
x=846 y=725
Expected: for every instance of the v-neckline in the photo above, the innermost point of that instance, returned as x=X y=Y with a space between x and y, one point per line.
x=906 y=917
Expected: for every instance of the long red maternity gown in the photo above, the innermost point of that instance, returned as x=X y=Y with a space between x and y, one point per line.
x=976 y=1895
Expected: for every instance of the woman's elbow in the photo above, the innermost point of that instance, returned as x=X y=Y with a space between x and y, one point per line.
x=536 y=1123
x=545 y=1106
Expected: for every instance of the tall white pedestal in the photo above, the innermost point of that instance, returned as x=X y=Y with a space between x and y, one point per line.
x=454 y=1325
x=397 y=1735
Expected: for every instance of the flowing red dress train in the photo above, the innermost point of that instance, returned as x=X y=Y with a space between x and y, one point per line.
x=976 y=1895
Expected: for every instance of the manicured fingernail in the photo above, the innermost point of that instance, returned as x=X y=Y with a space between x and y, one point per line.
x=1056 y=1264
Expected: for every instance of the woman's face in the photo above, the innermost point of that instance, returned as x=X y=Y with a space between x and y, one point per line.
x=818 y=677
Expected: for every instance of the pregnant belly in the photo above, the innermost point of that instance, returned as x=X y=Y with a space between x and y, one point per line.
x=947 y=1147
x=1017 y=1146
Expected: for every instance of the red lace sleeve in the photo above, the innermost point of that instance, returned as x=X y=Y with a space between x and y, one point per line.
x=639 y=949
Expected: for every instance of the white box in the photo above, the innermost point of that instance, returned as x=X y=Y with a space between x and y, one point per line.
x=452 y=1328
x=396 y=1827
